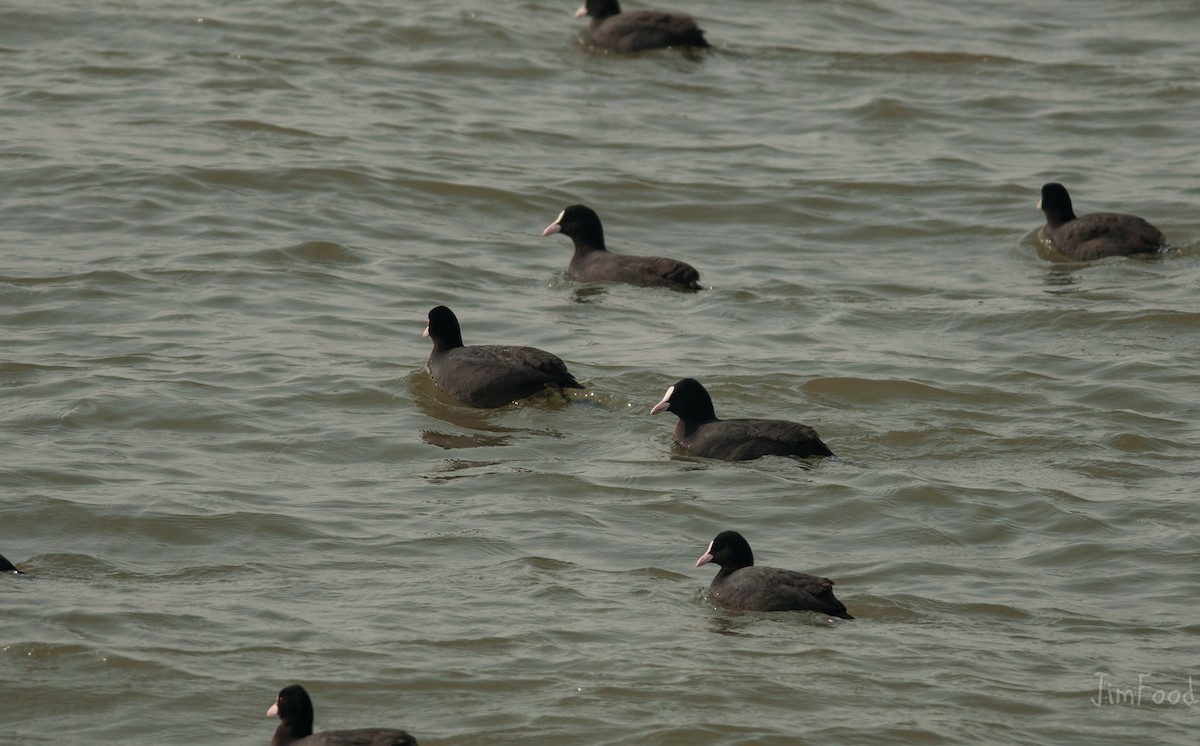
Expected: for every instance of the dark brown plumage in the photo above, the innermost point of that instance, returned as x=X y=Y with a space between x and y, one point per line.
x=489 y=376
x=744 y=585
x=700 y=432
x=1098 y=234
x=638 y=30
x=593 y=262
x=295 y=711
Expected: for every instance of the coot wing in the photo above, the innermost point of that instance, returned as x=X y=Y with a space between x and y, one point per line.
x=741 y=440
x=1104 y=234
x=759 y=588
x=604 y=266
x=494 y=375
x=360 y=737
x=639 y=30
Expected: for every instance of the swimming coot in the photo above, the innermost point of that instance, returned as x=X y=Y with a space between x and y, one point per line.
x=1096 y=235
x=638 y=30
x=592 y=262
x=489 y=375
x=745 y=585
x=701 y=433
x=6 y=566
x=295 y=711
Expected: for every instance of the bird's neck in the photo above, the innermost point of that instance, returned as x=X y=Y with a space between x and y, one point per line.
x=449 y=342
x=289 y=733
x=585 y=245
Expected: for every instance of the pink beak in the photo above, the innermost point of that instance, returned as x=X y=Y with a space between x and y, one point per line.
x=582 y=11
x=665 y=403
x=706 y=557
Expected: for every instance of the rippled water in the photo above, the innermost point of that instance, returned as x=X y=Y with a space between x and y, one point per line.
x=224 y=468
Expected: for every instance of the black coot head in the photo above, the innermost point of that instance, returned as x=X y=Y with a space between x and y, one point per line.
x=295 y=710
x=1056 y=204
x=443 y=328
x=728 y=550
x=577 y=221
x=687 y=398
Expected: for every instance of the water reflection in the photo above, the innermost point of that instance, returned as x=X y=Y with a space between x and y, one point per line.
x=1060 y=277
x=469 y=427
x=453 y=469
x=588 y=293
x=736 y=623
x=451 y=441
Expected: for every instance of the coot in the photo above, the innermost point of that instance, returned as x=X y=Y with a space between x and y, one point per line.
x=701 y=433
x=1095 y=235
x=6 y=566
x=295 y=711
x=638 y=30
x=489 y=375
x=592 y=262
x=745 y=585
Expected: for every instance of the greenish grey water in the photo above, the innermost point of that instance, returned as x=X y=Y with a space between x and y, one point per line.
x=225 y=469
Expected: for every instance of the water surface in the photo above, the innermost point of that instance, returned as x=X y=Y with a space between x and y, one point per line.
x=225 y=470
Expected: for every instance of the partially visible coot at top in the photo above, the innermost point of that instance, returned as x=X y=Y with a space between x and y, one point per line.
x=638 y=30
x=489 y=376
x=700 y=432
x=593 y=262
x=1095 y=235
